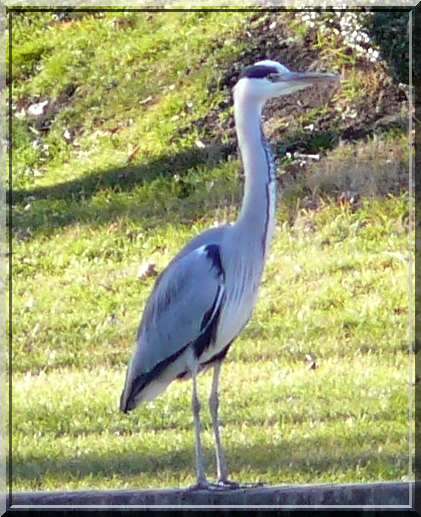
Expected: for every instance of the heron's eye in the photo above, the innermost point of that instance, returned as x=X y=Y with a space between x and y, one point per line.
x=273 y=78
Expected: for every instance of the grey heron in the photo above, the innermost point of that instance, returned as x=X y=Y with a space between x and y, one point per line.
x=206 y=295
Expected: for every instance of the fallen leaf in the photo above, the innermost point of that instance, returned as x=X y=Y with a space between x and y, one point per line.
x=311 y=361
x=35 y=110
x=146 y=270
x=145 y=101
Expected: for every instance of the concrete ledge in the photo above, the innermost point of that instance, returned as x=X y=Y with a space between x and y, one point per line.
x=375 y=494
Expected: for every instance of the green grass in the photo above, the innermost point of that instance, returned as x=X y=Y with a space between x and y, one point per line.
x=88 y=212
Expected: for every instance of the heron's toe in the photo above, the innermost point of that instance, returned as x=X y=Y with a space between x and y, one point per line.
x=233 y=485
x=228 y=484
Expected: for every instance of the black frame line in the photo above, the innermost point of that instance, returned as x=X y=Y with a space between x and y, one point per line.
x=10 y=141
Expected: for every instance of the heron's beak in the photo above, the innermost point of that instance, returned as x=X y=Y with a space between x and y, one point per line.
x=306 y=78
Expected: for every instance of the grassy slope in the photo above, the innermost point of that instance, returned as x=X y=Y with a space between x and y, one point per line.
x=89 y=211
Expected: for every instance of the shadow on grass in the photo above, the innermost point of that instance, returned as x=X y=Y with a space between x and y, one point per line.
x=59 y=205
x=291 y=458
x=127 y=178
x=48 y=208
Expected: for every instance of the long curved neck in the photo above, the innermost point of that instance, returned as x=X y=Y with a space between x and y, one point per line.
x=257 y=215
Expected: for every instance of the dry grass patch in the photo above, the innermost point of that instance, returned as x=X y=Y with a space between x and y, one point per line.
x=375 y=168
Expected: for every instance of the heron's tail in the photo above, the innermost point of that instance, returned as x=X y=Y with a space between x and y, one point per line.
x=141 y=387
x=132 y=388
x=144 y=385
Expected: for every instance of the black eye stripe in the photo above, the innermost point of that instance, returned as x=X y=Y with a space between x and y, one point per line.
x=258 y=71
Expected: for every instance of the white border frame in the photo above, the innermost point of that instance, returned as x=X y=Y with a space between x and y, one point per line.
x=163 y=4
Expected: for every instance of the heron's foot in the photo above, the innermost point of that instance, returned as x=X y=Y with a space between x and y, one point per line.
x=202 y=484
x=228 y=484
x=220 y=485
x=223 y=484
x=233 y=485
x=253 y=485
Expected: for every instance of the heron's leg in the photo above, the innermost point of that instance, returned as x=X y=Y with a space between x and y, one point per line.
x=221 y=464
x=200 y=467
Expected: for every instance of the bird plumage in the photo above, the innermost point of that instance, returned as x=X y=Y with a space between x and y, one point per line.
x=203 y=299
x=178 y=304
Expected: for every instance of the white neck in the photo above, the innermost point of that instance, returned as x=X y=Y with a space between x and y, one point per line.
x=257 y=215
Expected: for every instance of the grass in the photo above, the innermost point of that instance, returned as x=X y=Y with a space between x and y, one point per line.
x=376 y=167
x=131 y=186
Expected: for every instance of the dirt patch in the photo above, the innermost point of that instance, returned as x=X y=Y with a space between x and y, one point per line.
x=312 y=121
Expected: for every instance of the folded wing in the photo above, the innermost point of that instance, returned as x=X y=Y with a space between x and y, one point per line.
x=181 y=310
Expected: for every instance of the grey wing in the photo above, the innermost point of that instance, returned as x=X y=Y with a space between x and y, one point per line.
x=175 y=313
x=183 y=304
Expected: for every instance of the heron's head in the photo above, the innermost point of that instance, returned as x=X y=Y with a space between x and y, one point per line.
x=267 y=79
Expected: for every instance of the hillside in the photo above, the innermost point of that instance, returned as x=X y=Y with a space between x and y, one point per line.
x=123 y=149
